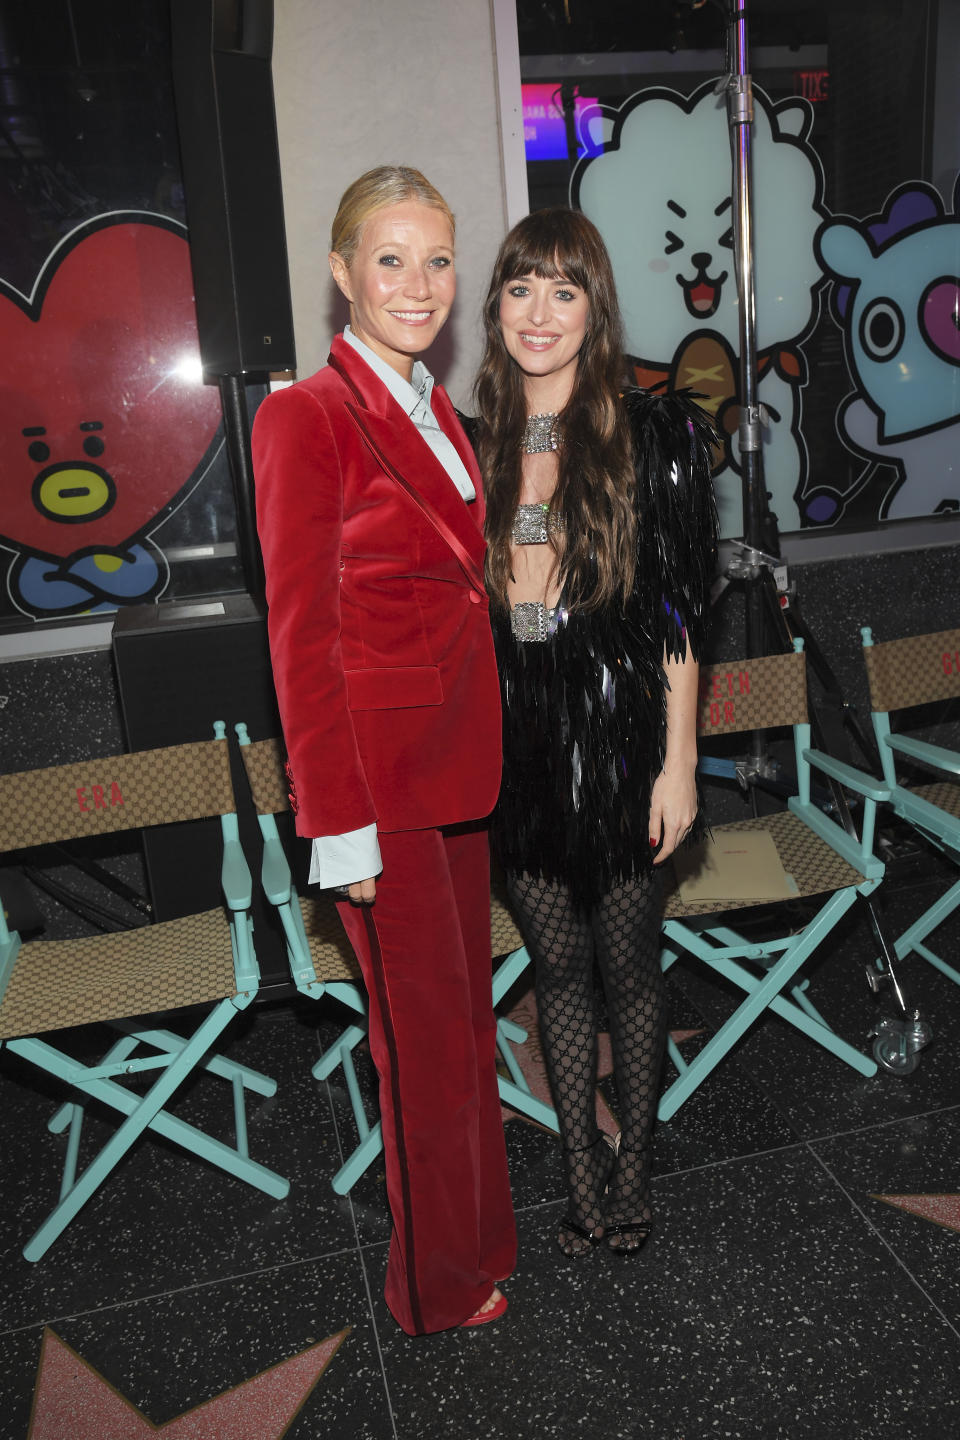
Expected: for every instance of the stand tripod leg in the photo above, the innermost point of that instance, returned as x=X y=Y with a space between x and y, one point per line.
x=913 y=1027
x=791 y=622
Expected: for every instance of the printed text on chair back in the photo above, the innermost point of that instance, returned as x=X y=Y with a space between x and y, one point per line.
x=914 y=671
x=117 y=792
x=758 y=694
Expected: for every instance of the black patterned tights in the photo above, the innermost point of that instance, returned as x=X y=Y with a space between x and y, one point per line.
x=623 y=933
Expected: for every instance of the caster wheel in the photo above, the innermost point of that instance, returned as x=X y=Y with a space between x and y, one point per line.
x=888 y=1053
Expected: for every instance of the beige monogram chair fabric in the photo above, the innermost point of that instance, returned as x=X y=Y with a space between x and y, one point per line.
x=761 y=694
x=821 y=864
x=119 y=792
x=924 y=776
x=914 y=671
x=118 y=978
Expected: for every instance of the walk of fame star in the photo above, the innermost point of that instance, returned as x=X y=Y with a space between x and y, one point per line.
x=73 y=1399
x=941 y=1209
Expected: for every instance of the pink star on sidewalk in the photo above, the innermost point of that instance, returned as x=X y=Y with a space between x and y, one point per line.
x=73 y=1399
x=941 y=1209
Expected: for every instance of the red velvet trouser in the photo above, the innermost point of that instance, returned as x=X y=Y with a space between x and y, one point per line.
x=424 y=949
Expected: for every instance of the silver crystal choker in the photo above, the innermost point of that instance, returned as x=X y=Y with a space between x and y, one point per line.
x=540 y=434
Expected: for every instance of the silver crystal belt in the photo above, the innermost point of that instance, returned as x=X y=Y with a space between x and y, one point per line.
x=531 y=620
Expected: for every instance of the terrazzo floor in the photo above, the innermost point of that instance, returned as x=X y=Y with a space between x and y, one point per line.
x=803 y=1278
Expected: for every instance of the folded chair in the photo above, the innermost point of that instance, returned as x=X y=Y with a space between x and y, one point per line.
x=823 y=862
x=201 y=960
x=903 y=674
x=323 y=963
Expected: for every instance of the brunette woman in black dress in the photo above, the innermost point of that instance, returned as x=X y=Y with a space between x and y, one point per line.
x=601 y=541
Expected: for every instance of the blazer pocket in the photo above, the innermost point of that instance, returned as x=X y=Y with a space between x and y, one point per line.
x=394 y=687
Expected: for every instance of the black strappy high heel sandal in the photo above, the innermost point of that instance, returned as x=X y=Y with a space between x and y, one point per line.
x=573 y=1236
x=633 y=1235
x=628 y=1237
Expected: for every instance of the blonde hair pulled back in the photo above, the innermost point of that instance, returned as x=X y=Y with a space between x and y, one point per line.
x=373 y=191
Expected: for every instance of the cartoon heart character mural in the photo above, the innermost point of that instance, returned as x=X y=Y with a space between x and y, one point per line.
x=105 y=424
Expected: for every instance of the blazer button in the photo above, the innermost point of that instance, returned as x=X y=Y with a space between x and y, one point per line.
x=475 y=597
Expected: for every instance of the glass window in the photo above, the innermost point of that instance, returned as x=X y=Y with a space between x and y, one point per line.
x=856 y=240
x=114 y=484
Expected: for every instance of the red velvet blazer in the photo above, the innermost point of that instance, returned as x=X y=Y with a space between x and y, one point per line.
x=379 y=634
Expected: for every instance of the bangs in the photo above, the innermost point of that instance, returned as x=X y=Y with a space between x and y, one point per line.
x=547 y=248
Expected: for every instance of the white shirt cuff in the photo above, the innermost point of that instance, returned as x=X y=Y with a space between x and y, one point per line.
x=345 y=859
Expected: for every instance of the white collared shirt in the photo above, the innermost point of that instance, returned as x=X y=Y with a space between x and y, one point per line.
x=413 y=397
x=343 y=859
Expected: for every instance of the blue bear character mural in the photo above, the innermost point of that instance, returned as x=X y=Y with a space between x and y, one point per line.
x=897 y=298
x=656 y=181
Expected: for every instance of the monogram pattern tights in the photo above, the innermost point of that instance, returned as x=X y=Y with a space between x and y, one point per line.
x=622 y=933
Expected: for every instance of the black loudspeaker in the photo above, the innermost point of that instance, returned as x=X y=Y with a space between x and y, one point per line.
x=180 y=666
x=223 y=89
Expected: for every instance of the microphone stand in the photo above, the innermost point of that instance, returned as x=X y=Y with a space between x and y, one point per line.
x=767 y=603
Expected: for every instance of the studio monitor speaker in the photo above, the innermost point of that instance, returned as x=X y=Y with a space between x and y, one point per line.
x=223 y=88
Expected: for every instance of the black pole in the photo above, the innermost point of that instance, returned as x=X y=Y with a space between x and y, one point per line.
x=236 y=424
x=221 y=53
x=568 y=104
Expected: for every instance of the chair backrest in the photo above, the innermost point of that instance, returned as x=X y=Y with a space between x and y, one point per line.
x=914 y=671
x=263 y=761
x=116 y=792
x=759 y=694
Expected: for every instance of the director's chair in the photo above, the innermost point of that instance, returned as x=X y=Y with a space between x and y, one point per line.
x=206 y=960
x=820 y=858
x=903 y=674
x=323 y=963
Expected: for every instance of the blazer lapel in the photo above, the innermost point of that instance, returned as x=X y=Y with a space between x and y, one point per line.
x=447 y=416
x=405 y=456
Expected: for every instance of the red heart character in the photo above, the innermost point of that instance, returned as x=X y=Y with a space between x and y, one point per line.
x=103 y=414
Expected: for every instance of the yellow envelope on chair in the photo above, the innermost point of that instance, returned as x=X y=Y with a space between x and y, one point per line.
x=732 y=865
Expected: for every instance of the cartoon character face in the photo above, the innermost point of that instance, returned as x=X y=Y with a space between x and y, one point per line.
x=103 y=416
x=901 y=317
x=661 y=198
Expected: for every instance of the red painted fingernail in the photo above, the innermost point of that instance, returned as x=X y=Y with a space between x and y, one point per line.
x=652 y=842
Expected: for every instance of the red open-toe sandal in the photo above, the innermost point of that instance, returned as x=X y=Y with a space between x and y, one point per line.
x=483 y=1317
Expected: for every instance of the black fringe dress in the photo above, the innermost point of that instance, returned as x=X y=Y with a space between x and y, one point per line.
x=584 y=710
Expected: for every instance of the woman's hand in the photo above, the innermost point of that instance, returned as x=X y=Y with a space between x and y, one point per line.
x=673 y=799
x=362 y=892
x=673 y=808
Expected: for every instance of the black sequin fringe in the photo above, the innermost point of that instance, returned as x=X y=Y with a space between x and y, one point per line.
x=584 y=712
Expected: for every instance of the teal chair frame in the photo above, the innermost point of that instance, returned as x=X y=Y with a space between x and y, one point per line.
x=903 y=674
x=750 y=695
x=323 y=964
x=50 y=986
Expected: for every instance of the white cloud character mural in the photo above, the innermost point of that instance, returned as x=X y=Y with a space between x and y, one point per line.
x=656 y=180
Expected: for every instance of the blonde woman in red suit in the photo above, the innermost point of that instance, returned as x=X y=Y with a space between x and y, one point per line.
x=370 y=512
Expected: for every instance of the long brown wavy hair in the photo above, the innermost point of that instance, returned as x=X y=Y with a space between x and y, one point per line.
x=594 y=495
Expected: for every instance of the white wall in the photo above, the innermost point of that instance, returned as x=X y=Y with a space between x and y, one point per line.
x=360 y=83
